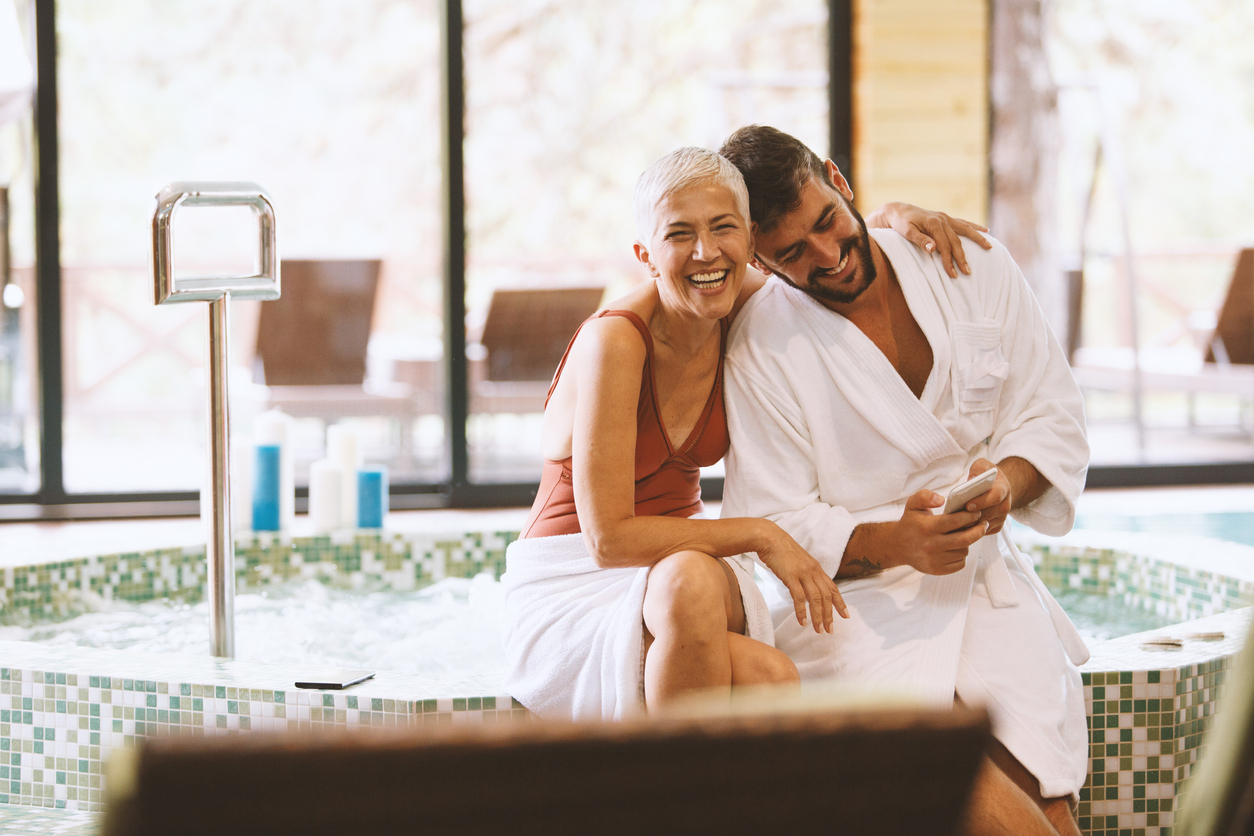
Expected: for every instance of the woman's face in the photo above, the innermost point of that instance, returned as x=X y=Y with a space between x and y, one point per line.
x=700 y=249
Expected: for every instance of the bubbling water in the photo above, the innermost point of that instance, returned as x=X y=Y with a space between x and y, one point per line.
x=452 y=627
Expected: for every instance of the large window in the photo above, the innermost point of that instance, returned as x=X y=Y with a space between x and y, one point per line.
x=453 y=189
x=566 y=103
x=1156 y=105
x=19 y=427
x=346 y=113
x=333 y=107
x=453 y=184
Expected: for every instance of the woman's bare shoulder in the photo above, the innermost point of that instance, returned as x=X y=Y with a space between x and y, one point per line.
x=641 y=300
x=609 y=340
x=618 y=332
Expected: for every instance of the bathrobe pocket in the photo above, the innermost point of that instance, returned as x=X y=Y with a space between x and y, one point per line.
x=982 y=368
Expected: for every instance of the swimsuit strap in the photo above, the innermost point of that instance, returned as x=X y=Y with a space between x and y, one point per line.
x=631 y=317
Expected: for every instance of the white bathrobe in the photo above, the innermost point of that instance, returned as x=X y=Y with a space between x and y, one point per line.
x=826 y=435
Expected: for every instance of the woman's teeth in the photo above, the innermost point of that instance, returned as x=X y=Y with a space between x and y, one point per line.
x=706 y=281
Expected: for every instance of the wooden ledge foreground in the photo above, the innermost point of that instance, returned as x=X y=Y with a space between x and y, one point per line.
x=878 y=771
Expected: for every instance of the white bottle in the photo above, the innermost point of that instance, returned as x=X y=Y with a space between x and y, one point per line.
x=343 y=450
x=326 y=481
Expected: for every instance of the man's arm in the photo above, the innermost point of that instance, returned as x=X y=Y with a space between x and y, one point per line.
x=1040 y=433
x=939 y=546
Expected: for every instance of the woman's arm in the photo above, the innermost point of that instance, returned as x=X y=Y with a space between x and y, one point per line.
x=932 y=231
x=608 y=361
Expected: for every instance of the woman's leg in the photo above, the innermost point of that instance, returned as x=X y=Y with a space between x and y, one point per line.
x=756 y=663
x=689 y=610
x=753 y=662
x=685 y=612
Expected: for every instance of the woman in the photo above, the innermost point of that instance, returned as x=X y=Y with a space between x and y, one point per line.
x=618 y=596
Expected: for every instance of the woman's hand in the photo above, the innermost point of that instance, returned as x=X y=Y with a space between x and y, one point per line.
x=932 y=231
x=805 y=579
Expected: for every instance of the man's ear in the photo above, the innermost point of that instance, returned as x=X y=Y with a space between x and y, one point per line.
x=642 y=255
x=757 y=264
x=838 y=180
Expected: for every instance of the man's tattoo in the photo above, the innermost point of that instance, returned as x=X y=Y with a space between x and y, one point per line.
x=859 y=567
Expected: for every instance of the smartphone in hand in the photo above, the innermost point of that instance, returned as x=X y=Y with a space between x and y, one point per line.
x=969 y=490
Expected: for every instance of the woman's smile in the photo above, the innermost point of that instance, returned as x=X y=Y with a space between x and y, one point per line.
x=713 y=280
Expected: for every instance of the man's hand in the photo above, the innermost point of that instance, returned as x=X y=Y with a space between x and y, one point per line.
x=933 y=544
x=936 y=544
x=994 y=504
x=931 y=231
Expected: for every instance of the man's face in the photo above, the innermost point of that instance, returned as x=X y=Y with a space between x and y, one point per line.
x=821 y=247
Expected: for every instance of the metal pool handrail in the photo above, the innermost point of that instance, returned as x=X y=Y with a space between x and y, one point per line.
x=217 y=291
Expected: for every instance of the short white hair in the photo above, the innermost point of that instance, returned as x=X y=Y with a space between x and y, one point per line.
x=677 y=171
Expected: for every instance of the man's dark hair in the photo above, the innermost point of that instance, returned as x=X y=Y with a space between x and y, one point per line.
x=776 y=167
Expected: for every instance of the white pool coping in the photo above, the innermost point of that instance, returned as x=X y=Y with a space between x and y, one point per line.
x=204 y=669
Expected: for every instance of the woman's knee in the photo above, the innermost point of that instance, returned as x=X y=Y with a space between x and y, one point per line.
x=687 y=585
x=768 y=666
x=781 y=670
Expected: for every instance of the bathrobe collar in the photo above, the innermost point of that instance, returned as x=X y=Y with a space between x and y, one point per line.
x=923 y=283
x=868 y=380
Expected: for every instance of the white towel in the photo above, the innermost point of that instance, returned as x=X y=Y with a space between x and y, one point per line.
x=574 y=632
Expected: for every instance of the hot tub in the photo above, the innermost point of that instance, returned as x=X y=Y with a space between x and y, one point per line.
x=64 y=708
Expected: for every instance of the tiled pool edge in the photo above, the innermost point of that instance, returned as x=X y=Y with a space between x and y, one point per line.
x=1146 y=725
x=1146 y=710
x=60 y=726
x=57 y=726
x=409 y=560
x=400 y=560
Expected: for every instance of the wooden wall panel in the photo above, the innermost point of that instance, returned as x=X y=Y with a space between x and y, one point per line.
x=921 y=104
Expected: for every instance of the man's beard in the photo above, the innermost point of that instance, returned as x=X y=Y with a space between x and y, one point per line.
x=864 y=275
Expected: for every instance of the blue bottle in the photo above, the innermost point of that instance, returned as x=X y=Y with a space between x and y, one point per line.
x=267 y=488
x=372 y=496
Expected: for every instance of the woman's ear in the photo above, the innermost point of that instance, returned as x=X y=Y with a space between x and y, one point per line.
x=642 y=255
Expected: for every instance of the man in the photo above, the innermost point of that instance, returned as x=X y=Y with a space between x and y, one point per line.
x=861 y=385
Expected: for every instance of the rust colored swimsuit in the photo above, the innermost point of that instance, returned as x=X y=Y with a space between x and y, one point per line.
x=668 y=480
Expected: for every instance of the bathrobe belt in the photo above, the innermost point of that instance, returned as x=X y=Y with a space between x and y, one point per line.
x=1002 y=591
